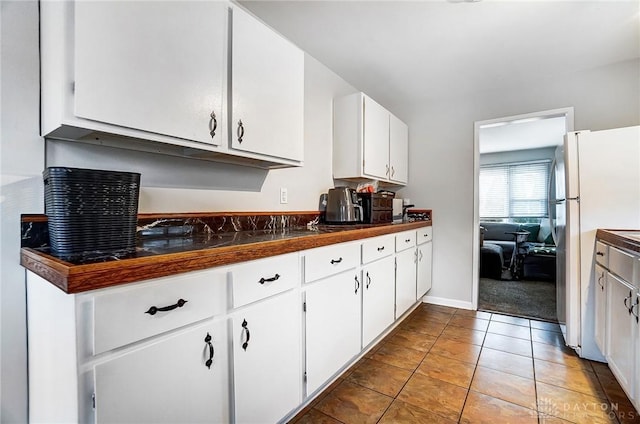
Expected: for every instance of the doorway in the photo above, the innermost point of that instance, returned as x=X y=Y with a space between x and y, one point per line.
x=512 y=171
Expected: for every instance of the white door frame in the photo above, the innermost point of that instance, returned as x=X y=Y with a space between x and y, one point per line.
x=567 y=112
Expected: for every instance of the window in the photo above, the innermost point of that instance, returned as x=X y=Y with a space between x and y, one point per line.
x=515 y=190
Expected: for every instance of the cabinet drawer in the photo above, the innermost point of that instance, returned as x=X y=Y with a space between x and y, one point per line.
x=424 y=234
x=602 y=254
x=123 y=316
x=621 y=263
x=255 y=280
x=405 y=240
x=377 y=247
x=326 y=261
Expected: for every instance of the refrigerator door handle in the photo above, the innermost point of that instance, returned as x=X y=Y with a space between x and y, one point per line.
x=549 y=201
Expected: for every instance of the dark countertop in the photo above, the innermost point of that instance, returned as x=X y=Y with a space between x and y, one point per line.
x=158 y=256
x=624 y=239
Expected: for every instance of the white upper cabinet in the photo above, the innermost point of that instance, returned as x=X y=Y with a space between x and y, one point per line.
x=267 y=90
x=368 y=141
x=153 y=66
x=165 y=77
x=398 y=150
x=376 y=140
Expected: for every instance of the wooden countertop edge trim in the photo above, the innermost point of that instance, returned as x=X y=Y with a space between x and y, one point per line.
x=79 y=278
x=618 y=240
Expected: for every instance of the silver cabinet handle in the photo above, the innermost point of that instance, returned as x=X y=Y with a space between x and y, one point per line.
x=421 y=255
x=368 y=281
x=415 y=257
x=357 y=284
x=213 y=124
x=240 y=131
x=393 y=171
x=387 y=171
x=599 y=281
x=636 y=306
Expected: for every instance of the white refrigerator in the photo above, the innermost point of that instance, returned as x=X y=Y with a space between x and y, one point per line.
x=597 y=175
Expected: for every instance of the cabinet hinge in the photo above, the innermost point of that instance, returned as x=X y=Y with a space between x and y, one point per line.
x=304 y=306
x=93 y=400
x=304 y=377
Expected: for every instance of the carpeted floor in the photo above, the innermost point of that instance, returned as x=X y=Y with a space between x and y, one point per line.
x=531 y=299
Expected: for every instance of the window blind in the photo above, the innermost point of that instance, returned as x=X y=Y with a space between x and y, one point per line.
x=514 y=190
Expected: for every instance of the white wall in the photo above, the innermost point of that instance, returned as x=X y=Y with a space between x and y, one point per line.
x=441 y=153
x=21 y=164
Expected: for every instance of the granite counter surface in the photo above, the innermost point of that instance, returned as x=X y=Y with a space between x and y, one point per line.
x=171 y=245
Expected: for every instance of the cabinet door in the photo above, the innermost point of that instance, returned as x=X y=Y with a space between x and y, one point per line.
x=424 y=281
x=155 y=66
x=167 y=381
x=398 y=150
x=621 y=332
x=601 y=308
x=375 y=140
x=333 y=314
x=267 y=112
x=378 y=303
x=267 y=359
x=405 y=280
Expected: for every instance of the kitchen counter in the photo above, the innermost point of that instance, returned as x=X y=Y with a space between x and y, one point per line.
x=161 y=253
x=624 y=239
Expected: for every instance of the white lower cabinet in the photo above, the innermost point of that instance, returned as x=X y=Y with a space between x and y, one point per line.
x=405 y=280
x=180 y=378
x=425 y=252
x=267 y=353
x=621 y=332
x=601 y=309
x=378 y=303
x=333 y=320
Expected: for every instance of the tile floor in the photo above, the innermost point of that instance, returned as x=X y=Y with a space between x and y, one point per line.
x=446 y=365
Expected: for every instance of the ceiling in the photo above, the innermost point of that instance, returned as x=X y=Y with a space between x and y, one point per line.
x=522 y=135
x=406 y=53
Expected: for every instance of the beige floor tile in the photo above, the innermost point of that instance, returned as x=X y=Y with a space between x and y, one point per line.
x=315 y=417
x=399 y=356
x=465 y=335
x=508 y=344
x=509 y=387
x=464 y=352
x=547 y=337
x=475 y=314
x=447 y=369
x=481 y=409
x=559 y=354
x=473 y=323
x=404 y=413
x=576 y=379
x=351 y=403
x=544 y=325
x=572 y=406
x=432 y=328
x=506 y=362
x=509 y=330
x=510 y=320
x=440 y=397
x=381 y=377
x=413 y=340
x=432 y=316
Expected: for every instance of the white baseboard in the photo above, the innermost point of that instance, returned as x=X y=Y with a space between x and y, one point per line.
x=443 y=301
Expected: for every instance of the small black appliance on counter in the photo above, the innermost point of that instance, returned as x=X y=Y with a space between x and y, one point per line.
x=377 y=208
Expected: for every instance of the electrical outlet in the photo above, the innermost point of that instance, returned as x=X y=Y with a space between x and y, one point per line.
x=284 y=196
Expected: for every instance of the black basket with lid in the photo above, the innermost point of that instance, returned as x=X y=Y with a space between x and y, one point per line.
x=92 y=214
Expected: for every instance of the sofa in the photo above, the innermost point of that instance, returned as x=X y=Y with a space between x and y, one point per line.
x=537 y=252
